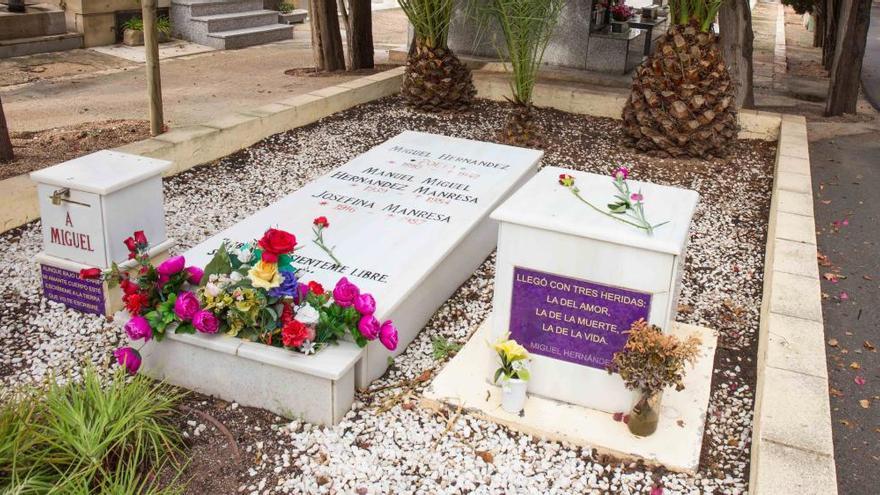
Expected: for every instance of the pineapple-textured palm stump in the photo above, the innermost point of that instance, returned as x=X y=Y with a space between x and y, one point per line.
x=682 y=100
x=437 y=81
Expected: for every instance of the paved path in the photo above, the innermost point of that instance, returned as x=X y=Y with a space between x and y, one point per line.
x=846 y=173
x=83 y=85
x=871 y=62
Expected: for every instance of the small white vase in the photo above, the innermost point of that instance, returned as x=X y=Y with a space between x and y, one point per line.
x=513 y=395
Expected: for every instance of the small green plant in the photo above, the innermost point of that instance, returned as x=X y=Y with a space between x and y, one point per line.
x=133 y=23
x=88 y=437
x=527 y=26
x=443 y=348
x=285 y=8
x=163 y=25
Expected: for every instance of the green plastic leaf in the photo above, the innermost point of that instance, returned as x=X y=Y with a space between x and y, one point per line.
x=498 y=373
x=185 y=328
x=219 y=264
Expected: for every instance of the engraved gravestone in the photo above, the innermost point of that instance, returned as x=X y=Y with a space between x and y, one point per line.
x=570 y=281
x=409 y=220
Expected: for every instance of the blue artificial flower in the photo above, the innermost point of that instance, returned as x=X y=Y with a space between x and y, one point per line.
x=288 y=287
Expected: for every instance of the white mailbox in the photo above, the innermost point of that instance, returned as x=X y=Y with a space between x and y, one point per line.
x=570 y=281
x=88 y=206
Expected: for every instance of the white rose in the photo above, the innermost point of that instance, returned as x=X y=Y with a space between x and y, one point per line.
x=245 y=255
x=212 y=289
x=235 y=276
x=307 y=315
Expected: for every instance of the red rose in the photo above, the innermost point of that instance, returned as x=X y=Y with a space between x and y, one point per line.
x=128 y=287
x=316 y=288
x=294 y=333
x=90 y=273
x=321 y=222
x=140 y=237
x=131 y=244
x=275 y=243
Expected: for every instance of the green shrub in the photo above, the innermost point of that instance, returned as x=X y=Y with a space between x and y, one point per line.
x=88 y=437
x=163 y=25
x=285 y=8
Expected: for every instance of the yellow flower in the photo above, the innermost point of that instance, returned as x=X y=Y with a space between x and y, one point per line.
x=265 y=275
x=511 y=350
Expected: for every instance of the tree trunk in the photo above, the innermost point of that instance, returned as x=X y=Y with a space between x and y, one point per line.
x=819 y=23
x=346 y=21
x=6 y=154
x=314 y=24
x=154 y=83
x=331 y=38
x=735 y=26
x=326 y=38
x=846 y=71
x=361 y=34
x=832 y=14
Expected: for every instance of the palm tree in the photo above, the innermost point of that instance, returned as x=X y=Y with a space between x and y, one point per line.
x=527 y=26
x=435 y=79
x=682 y=101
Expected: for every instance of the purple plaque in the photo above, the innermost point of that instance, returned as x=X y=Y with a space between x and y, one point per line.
x=66 y=287
x=573 y=320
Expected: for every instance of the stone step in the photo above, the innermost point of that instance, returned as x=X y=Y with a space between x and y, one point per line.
x=37 y=20
x=200 y=8
x=240 y=38
x=237 y=20
x=40 y=44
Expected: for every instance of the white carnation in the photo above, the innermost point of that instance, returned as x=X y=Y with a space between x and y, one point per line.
x=307 y=315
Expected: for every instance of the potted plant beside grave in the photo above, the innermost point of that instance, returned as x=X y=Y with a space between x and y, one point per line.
x=133 y=31
x=650 y=362
x=620 y=16
x=288 y=14
x=512 y=374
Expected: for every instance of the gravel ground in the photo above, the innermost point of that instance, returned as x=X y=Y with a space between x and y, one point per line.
x=387 y=444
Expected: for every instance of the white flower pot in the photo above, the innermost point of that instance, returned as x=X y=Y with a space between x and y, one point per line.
x=513 y=395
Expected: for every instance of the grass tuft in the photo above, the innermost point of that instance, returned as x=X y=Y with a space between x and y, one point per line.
x=89 y=437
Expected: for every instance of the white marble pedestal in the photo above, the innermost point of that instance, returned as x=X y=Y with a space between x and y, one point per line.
x=570 y=281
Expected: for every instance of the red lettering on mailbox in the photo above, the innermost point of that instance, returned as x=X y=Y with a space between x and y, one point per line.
x=70 y=238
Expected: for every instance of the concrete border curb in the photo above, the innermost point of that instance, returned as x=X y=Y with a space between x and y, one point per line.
x=792 y=451
x=193 y=145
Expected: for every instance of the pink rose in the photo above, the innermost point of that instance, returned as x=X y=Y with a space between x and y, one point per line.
x=186 y=305
x=128 y=357
x=171 y=266
x=195 y=275
x=365 y=304
x=388 y=335
x=369 y=327
x=345 y=293
x=138 y=328
x=205 y=322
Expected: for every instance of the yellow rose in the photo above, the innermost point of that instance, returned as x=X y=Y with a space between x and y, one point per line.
x=265 y=275
x=511 y=350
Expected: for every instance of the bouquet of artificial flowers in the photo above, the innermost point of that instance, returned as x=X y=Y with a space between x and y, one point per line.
x=250 y=291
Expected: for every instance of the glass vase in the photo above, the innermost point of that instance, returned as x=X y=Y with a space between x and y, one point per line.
x=645 y=414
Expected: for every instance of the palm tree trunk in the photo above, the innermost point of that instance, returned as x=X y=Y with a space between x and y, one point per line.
x=360 y=34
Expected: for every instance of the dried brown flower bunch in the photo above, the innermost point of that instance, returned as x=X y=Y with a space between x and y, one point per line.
x=651 y=360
